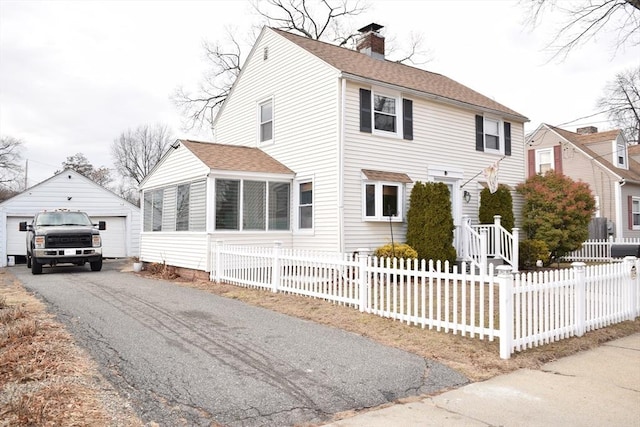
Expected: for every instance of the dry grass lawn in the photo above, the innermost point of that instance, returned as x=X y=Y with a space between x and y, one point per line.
x=46 y=380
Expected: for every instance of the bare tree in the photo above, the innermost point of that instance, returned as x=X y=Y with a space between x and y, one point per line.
x=583 y=20
x=326 y=20
x=10 y=157
x=621 y=100
x=79 y=163
x=137 y=151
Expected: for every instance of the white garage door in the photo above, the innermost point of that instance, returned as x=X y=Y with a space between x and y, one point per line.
x=114 y=238
x=16 y=239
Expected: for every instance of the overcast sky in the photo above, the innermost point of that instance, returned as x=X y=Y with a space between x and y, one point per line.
x=74 y=75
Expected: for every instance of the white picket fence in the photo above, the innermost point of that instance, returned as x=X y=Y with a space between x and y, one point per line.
x=521 y=310
x=598 y=250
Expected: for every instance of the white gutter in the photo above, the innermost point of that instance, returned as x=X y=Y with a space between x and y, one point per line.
x=438 y=98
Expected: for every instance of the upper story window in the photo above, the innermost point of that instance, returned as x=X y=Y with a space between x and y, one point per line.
x=621 y=154
x=386 y=113
x=265 y=115
x=383 y=195
x=544 y=160
x=493 y=135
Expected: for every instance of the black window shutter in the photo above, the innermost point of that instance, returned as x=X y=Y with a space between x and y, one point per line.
x=507 y=138
x=365 y=110
x=479 y=133
x=407 y=118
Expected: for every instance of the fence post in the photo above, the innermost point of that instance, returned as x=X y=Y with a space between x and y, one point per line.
x=497 y=231
x=630 y=264
x=218 y=266
x=483 y=251
x=516 y=249
x=505 y=283
x=362 y=280
x=275 y=272
x=579 y=270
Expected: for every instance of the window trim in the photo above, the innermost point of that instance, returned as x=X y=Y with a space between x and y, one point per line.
x=620 y=147
x=298 y=205
x=499 y=125
x=403 y=113
x=634 y=200
x=379 y=209
x=260 y=122
x=538 y=154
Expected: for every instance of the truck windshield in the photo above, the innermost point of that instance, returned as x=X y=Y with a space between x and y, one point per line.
x=62 y=218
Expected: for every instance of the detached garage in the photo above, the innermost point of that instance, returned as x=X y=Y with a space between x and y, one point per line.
x=73 y=191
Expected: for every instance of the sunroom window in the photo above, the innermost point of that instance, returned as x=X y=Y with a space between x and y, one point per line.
x=261 y=205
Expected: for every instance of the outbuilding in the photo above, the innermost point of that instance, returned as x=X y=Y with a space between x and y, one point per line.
x=71 y=190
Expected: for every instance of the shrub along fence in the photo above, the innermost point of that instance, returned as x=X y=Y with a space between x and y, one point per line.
x=521 y=310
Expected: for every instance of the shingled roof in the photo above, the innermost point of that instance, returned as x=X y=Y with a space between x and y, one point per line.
x=235 y=157
x=432 y=85
x=584 y=140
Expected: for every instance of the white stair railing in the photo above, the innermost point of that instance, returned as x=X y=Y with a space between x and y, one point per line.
x=500 y=243
x=474 y=245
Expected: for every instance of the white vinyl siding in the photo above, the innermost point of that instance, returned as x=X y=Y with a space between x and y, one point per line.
x=444 y=136
x=307 y=125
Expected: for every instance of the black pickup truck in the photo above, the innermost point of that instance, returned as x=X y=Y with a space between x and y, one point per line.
x=63 y=236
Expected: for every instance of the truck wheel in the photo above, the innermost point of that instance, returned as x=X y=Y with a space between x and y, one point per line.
x=96 y=265
x=36 y=267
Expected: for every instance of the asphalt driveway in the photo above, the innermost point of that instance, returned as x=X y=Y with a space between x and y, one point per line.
x=187 y=357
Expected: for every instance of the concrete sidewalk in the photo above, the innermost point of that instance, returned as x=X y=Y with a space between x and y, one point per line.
x=599 y=387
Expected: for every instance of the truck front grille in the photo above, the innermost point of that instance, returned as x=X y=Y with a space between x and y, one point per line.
x=69 y=241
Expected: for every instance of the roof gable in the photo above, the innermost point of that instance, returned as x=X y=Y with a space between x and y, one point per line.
x=64 y=175
x=432 y=85
x=583 y=142
x=235 y=158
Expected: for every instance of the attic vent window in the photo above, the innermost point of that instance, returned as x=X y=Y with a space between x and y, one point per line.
x=265 y=53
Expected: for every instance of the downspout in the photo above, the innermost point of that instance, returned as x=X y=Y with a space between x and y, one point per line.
x=618 y=205
x=341 y=131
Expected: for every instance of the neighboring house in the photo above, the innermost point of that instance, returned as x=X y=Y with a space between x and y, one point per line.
x=71 y=190
x=344 y=134
x=604 y=160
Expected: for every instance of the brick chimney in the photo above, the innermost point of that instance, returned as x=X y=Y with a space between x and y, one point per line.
x=587 y=130
x=371 y=42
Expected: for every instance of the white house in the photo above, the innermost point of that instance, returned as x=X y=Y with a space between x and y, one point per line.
x=601 y=159
x=350 y=132
x=71 y=190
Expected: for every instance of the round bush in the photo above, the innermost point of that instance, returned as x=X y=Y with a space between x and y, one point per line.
x=401 y=250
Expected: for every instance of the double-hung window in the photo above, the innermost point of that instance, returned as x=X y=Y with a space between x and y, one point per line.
x=305 y=205
x=493 y=135
x=544 y=160
x=634 y=213
x=621 y=154
x=383 y=195
x=386 y=113
x=265 y=119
